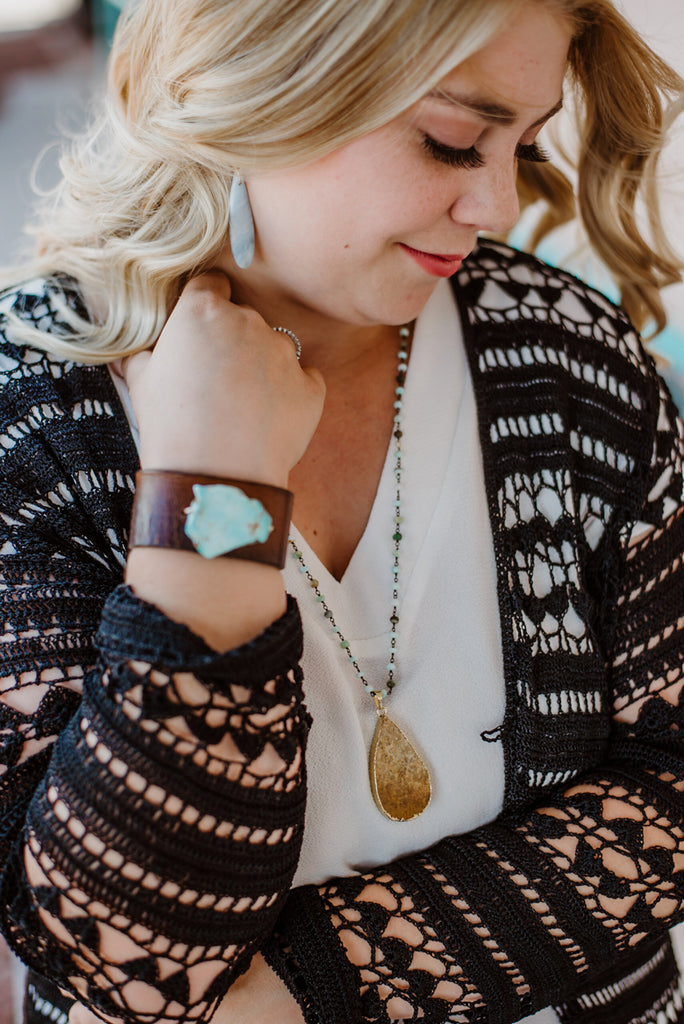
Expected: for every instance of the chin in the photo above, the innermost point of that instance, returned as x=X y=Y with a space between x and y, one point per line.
x=410 y=306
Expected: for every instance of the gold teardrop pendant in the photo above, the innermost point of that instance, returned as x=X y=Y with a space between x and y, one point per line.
x=399 y=778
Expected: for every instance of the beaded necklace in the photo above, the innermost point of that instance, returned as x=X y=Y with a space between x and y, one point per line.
x=399 y=777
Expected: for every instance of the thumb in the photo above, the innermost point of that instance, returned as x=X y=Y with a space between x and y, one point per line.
x=316 y=379
x=133 y=367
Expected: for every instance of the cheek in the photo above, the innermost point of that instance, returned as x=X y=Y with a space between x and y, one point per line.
x=295 y=214
x=275 y=212
x=354 y=203
x=311 y=226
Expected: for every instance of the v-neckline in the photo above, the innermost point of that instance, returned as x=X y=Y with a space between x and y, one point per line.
x=361 y=597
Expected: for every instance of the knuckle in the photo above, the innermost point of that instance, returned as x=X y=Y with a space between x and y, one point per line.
x=212 y=278
x=203 y=302
x=282 y=346
x=250 y=320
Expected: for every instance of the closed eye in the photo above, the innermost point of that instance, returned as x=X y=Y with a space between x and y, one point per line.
x=470 y=158
x=450 y=156
x=534 y=153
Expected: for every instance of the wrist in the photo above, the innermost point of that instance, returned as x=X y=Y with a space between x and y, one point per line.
x=226 y=601
x=214 y=516
x=227 y=464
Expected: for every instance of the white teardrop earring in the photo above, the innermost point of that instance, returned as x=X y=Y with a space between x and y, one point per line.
x=240 y=223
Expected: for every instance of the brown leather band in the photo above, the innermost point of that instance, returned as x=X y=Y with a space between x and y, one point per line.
x=161 y=498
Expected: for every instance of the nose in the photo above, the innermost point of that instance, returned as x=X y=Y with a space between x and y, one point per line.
x=489 y=201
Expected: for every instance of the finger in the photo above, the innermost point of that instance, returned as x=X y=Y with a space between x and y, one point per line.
x=132 y=367
x=79 y=1014
x=316 y=378
x=217 y=276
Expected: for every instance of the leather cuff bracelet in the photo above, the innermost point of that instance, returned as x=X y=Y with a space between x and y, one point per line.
x=211 y=515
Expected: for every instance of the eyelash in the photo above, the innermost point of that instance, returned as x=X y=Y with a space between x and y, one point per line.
x=470 y=158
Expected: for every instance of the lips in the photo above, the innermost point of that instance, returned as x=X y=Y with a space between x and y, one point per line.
x=437 y=264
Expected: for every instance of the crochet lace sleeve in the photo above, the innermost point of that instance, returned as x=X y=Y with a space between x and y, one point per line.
x=151 y=789
x=525 y=911
x=159 y=815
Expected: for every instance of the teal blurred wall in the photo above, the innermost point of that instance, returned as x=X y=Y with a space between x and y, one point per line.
x=105 y=14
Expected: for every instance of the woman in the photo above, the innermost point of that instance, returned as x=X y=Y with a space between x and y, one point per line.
x=488 y=514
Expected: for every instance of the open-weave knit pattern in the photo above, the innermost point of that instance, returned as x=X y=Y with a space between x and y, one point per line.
x=583 y=459
x=164 y=823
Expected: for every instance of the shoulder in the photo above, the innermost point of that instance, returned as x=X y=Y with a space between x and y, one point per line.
x=499 y=278
x=520 y=312
x=41 y=305
x=501 y=285
x=561 y=374
x=30 y=373
x=65 y=444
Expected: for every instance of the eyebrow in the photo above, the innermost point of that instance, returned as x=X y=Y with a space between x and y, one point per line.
x=488 y=110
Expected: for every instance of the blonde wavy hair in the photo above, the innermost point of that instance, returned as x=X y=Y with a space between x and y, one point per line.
x=202 y=89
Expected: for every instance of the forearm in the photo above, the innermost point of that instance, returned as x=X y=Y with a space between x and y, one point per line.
x=169 y=828
x=527 y=911
x=537 y=906
x=226 y=601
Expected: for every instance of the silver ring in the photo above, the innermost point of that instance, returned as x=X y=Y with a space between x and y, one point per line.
x=295 y=340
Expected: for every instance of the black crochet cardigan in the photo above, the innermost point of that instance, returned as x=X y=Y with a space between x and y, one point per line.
x=133 y=756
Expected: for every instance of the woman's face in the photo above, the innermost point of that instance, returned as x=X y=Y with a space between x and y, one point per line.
x=363 y=235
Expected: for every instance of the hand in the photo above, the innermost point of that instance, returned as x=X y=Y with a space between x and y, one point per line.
x=222 y=393
x=80 y=1014
x=258 y=997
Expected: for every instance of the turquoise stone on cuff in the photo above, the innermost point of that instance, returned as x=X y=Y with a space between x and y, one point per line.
x=221 y=518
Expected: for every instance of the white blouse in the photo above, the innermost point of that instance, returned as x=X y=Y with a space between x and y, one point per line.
x=449 y=675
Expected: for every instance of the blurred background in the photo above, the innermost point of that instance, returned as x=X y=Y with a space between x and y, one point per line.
x=52 y=60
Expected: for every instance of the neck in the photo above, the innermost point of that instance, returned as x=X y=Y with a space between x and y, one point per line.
x=332 y=345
